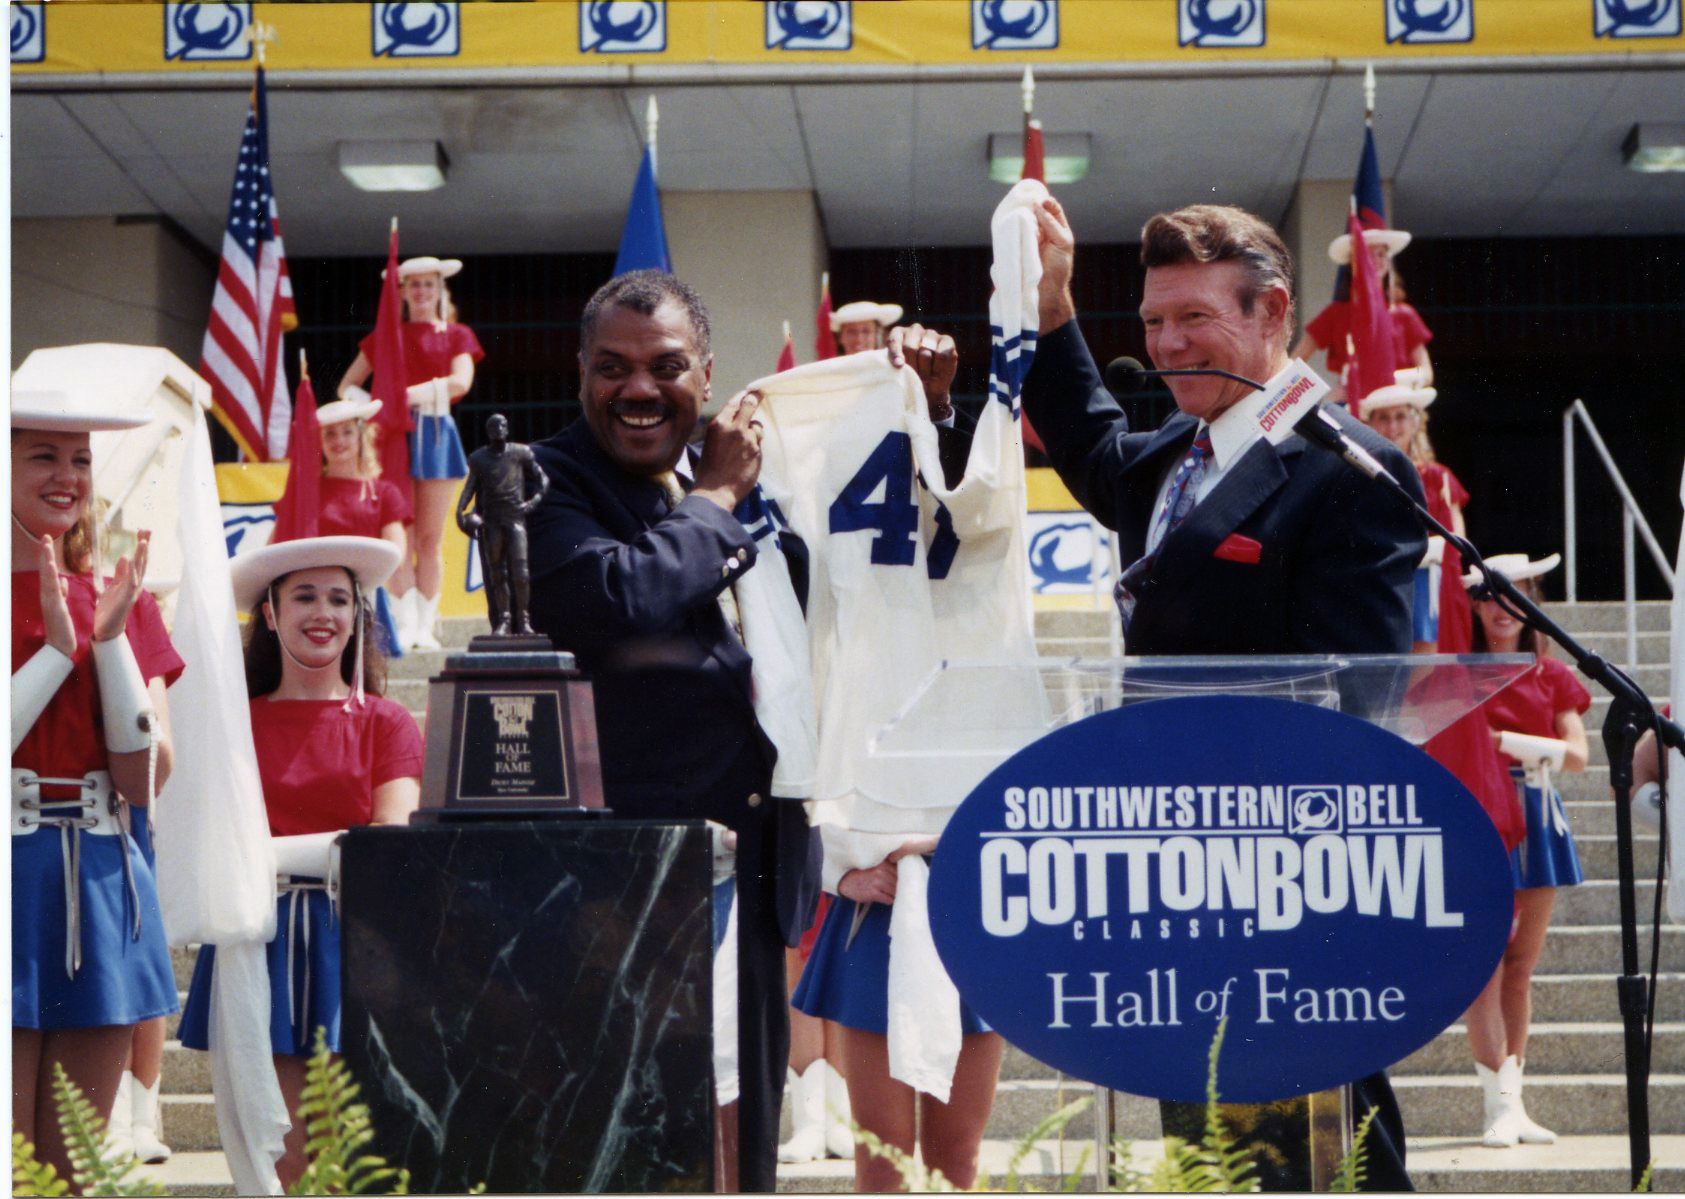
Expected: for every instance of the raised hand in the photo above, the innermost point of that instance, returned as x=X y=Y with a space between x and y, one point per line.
x=55 y=606
x=731 y=452
x=934 y=359
x=112 y=608
x=1058 y=247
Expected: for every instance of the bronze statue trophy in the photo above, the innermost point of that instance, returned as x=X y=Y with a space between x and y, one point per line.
x=521 y=735
x=499 y=473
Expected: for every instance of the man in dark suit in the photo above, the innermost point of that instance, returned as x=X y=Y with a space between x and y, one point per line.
x=628 y=568
x=1230 y=545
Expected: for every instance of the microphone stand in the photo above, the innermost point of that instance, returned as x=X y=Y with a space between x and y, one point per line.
x=1630 y=714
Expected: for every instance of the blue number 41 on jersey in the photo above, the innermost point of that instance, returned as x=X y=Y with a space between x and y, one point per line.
x=896 y=516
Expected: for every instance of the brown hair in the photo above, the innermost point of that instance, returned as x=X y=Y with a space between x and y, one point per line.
x=263 y=648
x=1203 y=233
x=1532 y=642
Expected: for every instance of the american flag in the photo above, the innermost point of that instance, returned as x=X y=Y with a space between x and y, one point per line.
x=252 y=305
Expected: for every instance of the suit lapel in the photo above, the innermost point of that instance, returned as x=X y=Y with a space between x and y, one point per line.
x=642 y=498
x=1253 y=478
x=1143 y=475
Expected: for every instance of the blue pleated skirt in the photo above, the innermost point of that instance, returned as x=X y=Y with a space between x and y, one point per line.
x=302 y=997
x=1424 y=606
x=849 y=983
x=436 y=449
x=140 y=827
x=1546 y=857
x=122 y=979
x=386 y=624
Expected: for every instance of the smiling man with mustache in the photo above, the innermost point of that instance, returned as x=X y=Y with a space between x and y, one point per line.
x=632 y=571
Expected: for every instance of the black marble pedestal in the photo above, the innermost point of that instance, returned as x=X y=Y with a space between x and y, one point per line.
x=528 y=1005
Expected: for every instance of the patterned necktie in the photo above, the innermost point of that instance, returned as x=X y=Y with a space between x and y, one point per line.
x=669 y=483
x=1178 y=502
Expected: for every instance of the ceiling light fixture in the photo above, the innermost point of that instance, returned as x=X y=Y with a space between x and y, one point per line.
x=394 y=166
x=1654 y=148
x=1066 y=156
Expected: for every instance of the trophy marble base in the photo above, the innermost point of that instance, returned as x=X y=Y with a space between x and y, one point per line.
x=528 y=1005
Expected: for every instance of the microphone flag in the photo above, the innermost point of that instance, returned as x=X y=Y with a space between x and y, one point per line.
x=824 y=339
x=390 y=384
x=298 y=512
x=643 y=239
x=1372 y=363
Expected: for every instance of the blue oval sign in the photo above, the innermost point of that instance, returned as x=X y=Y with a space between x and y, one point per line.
x=1113 y=890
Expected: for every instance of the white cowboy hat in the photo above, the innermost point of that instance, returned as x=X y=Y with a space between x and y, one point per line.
x=369 y=559
x=1406 y=388
x=1513 y=567
x=57 y=412
x=344 y=410
x=865 y=310
x=1340 y=249
x=428 y=265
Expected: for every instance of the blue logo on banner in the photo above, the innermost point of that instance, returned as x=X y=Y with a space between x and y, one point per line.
x=1635 y=18
x=416 y=30
x=1420 y=22
x=623 y=26
x=1115 y=889
x=29 y=33
x=1014 y=24
x=1219 y=24
x=809 y=24
x=209 y=32
x=245 y=522
x=1062 y=555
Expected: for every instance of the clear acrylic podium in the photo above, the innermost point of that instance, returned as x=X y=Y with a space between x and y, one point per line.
x=971 y=715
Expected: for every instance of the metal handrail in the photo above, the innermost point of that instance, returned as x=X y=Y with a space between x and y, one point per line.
x=1632 y=520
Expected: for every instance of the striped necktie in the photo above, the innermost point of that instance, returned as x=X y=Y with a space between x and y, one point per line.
x=1178 y=502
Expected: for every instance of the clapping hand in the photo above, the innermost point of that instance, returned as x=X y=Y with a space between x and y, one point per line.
x=112 y=608
x=55 y=606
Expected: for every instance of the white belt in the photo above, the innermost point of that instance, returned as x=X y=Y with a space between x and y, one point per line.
x=96 y=811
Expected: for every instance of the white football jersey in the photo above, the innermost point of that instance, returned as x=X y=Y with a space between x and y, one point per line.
x=904 y=574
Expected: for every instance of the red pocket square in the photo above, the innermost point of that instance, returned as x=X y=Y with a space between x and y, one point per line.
x=1236 y=548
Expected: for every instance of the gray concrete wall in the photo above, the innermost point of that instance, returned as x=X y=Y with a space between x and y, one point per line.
x=83 y=279
x=756 y=258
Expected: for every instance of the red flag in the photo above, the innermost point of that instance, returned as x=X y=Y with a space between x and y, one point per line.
x=1372 y=363
x=298 y=512
x=824 y=339
x=390 y=383
x=787 y=356
x=1035 y=167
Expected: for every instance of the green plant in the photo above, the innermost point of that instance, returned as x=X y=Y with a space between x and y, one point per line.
x=93 y=1168
x=336 y=1128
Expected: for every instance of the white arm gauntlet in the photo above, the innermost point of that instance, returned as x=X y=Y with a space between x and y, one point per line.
x=33 y=686
x=1435 y=552
x=1531 y=751
x=127 y=708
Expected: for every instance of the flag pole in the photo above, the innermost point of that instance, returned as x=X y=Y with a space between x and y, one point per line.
x=652 y=119
x=1368 y=93
x=260 y=35
x=1029 y=86
x=303 y=366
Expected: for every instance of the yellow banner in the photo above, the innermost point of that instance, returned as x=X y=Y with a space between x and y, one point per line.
x=617 y=34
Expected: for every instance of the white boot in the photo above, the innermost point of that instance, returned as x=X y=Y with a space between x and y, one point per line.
x=427 y=619
x=119 y=1139
x=807 y=1111
x=148 y=1134
x=403 y=616
x=1503 y=1112
x=1509 y=1078
x=839 y=1137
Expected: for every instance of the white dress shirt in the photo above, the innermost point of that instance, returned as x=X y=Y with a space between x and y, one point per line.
x=1232 y=434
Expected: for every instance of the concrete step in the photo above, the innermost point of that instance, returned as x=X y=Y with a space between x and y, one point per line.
x=1599 y=853
x=186 y=1071
x=189 y=1122
x=192 y=1172
x=1443 y=1105
x=1652 y=646
x=1596 y=948
x=1597 y=901
x=1608 y=616
x=1579 y=1048
x=1573 y=1164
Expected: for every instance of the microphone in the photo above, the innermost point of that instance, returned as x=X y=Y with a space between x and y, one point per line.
x=1125 y=375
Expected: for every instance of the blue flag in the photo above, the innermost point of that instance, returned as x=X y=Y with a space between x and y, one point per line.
x=1371 y=204
x=643 y=240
